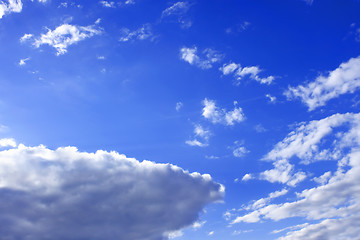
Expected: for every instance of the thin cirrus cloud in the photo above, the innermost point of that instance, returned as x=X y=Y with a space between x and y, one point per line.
x=142 y=33
x=178 y=10
x=63 y=36
x=240 y=73
x=205 y=61
x=221 y=115
x=67 y=194
x=334 y=204
x=342 y=80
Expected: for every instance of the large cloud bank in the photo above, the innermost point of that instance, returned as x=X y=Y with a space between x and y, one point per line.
x=67 y=194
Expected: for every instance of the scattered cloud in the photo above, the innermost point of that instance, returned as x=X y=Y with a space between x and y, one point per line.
x=175 y=234
x=342 y=80
x=198 y=224
x=333 y=205
x=206 y=61
x=260 y=128
x=22 y=62
x=101 y=57
x=239 y=150
x=179 y=10
x=10 y=6
x=200 y=133
x=65 y=35
x=178 y=106
x=217 y=115
x=108 y=4
x=247 y=177
x=26 y=37
x=241 y=27
x=240 y=73
x=272 y=99
x=64 y=194
x=211 y=233
x=144 y=32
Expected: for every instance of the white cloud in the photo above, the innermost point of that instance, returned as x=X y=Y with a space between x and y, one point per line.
x=26 y=37
x=178 y=8
x=239 y=73
x=209 y=57
x=65 y=35
x=264 y=201
x=101 y=57
x=333 y=206
x=175 y=234
x=178 y=106
x=10 y=6
x=211 y=233
x=260 y=128
x=23 y=61
x=216 y=115
x=239 y=150
x=198 y=224
x=142 y=33
x=67 y=194
x=108 y=4
x=272 y=99
x=7 y=142
x=344 y=79
x=247 y=177
x=201 y=133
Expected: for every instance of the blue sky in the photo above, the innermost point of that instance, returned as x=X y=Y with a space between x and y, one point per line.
x=152 y=120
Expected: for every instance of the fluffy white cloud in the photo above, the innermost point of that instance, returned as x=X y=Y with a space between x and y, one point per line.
x=65 y=35
x=67 y=194
x=342 y=80
x=142 y=33
x=333 y=205
x=239 y=72
x=26 y=37
x=247 y=177
x=10 y=6
x=201 y=133
x=217 y=115
x=209 y=57
x=7 y=142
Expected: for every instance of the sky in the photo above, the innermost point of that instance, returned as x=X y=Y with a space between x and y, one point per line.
x=186 y=120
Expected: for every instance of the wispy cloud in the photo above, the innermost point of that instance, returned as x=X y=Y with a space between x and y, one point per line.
x=142 y=33
x=342 y=80
x=65 y=35
x=205 y=61
x=23 y=61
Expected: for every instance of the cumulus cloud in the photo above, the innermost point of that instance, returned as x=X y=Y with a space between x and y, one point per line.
x=206 y=61
x=239 y=73
x=68 y=194
x=202 y=134
x=65 y=35
x=239 y=150
x=10 y=6
x=342 y=80
x=7 y=142
x=218 y=115
x=141 y=33
x=333 y=206
x=26 y=37
x=247 y=177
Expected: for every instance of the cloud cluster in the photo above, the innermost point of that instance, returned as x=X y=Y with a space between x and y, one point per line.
x=334 y=204
x=342 y=80
x=10 y=7
x=141 y=33
x=63 y=36
x=206 y=61
x=222 y=116
x=66 y=194
x=242 y=72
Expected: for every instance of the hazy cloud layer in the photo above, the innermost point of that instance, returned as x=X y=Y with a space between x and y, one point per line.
x=66 y=194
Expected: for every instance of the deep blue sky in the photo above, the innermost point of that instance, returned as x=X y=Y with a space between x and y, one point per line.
x=116 y=84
